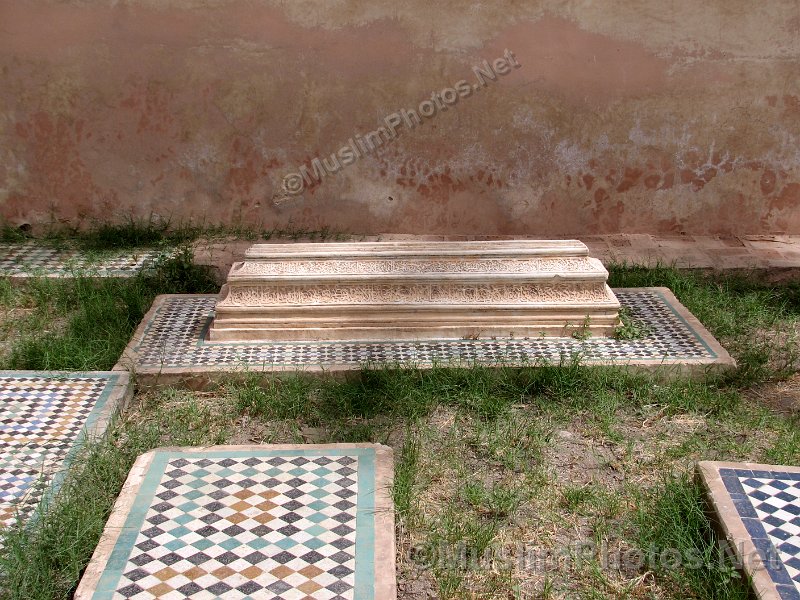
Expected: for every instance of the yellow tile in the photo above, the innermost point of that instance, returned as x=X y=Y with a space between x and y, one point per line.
x=252 y=572
x=282 y=571
x=165 y=573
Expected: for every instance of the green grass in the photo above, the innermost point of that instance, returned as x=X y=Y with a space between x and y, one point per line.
x=499 y=501
x=134 y=233
x=85 y=323
x=45 y=562
x=129 y=235
x=13 y=235
x=406 y=475
x=753 y=319
x=629 y=327
x=574 y=497
x=673 y=530
x=476 y=455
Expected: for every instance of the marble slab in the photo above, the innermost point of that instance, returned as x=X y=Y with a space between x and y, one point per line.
x=171 y=346
x=757 y=509
x=400 y=290
x=285 y=522
x=44 y=420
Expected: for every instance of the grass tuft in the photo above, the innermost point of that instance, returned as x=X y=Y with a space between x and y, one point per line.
x=134 y=233
x=681 y=544
x=629 y=327
x=406 y=475
x=82 y=323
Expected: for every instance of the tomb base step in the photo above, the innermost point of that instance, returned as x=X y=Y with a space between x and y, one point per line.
x=323 y=323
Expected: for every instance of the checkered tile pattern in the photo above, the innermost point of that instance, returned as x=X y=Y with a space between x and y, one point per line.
x=768 y=502
x=176 y=338
x=27 y=260
x=41 y=420
x=777 y=504
x=280 y=527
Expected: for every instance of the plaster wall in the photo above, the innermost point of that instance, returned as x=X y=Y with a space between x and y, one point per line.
x=625 y=116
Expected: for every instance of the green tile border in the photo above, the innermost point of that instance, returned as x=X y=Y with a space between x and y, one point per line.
x=688 y=325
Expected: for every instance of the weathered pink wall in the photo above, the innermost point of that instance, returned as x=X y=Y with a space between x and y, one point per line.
x=633 y=115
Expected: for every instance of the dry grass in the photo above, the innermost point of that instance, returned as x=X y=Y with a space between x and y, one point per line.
x=530 y=472
x=580 y=490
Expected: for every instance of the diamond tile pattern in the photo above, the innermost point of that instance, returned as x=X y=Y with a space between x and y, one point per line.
x=23 y=260
x=176 y=338
x=768 y=502
x=41 y=419
x=279 y=527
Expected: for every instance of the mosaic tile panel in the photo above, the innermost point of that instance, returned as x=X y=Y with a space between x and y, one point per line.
x=27 y=260
x=175 y=337
x=257 y=523
x=759 y=506
x=43 y=418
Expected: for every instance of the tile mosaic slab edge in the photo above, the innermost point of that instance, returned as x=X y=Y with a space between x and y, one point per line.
x=165 y=370
x=23 y=261
x=381 y=514
x=112 y=399
x=761 y=561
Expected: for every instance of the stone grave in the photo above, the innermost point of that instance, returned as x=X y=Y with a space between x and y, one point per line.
x=279 y=521
x=341 y=306
x=757 y=511
x=44 y=420
x=415 y=290
x=22 y=261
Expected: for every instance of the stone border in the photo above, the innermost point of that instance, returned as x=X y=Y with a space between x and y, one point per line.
x=200 y=377
x=114 y=527
x=729 y=524
x=385 y=569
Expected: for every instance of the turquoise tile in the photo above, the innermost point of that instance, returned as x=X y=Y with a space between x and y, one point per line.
x=203 y=544
x=286 y=543
x=187 y=507
x=184 y=519
x=175 y=544
x=314 y=543
x=230 y=544
x=258 y=543
x=315 y=530
x=317 y=517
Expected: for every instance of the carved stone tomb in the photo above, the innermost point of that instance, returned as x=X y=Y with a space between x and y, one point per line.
x=415 y=290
